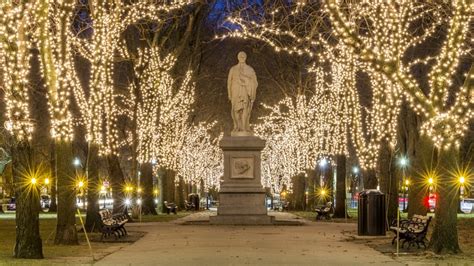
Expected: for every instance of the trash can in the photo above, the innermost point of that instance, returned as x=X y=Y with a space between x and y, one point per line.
x=371 y=213
x=194 y=198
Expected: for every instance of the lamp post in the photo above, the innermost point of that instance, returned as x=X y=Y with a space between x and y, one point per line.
x=355 y=178
x=77 y=163
x=104 y=193
x=403 y=162
x=461 y=180
x=405 y=193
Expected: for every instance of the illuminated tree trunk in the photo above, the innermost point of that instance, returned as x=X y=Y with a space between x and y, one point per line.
x=388 y=181
x=418 y=191
x=445 y=234
x=93 y=188
x=370 y=179
x=340 y=210
x=117 y=180
x=66 y=232
x=418 y=152
x=148 y=203
x=311 y=189
x=298 y=194
x=28 y=243
x=167 y=186
x=180 y=193
x=53 y=206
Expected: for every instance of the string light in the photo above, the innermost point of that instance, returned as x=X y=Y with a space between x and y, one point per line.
x=57 y=63
x=200 y=158
x=110 y=19
x=15 y=45
x=389 y=39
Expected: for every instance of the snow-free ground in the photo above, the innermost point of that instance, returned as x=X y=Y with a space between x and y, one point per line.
x=314 y=243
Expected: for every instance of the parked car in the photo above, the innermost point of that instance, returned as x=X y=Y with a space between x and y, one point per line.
x=45 y=201
x=11 y=205
x=467 y=205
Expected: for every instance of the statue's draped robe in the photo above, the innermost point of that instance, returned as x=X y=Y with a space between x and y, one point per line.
x=242 y=87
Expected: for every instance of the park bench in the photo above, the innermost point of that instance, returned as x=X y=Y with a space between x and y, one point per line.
x=189 y=206
x=112 y=224
x=170 y=207
x=412 y=231
x=324 y=211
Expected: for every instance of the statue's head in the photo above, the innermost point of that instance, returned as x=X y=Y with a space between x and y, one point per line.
x=242 y=56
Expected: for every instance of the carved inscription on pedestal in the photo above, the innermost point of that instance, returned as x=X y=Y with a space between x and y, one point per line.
x=242 y=167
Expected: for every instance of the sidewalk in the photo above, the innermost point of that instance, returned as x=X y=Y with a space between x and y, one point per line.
x=310 y=244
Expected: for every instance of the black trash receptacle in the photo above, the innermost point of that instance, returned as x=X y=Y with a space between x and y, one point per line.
x=194 y=198
x=371 y=213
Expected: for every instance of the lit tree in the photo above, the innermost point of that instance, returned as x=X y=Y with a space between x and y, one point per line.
x=290 y=148
x=162 y=113
x=384 y=44
x=285 y=27
x=57 y=65
x=15 y=45
x=99 y=106
x=201 y=159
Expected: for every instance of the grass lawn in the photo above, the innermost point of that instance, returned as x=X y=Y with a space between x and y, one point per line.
x=64 y=254
x=52 y=253
x=352 y=218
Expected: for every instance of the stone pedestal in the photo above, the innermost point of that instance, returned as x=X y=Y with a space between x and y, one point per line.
x=241 y=196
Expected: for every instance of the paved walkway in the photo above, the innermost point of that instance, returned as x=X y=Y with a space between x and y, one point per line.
x=311 y=244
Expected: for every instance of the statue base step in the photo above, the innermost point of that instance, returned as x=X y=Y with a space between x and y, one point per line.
x=242 y=220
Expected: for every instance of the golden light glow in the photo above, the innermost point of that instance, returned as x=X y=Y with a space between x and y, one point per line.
x=462 y=180
x=430 y=180
x=46 y=181
x=33 y=181
x=15 y=45
x=200 y=158
x=390 y=37
x=407 y=182
x=324 y=121
x=98 y=104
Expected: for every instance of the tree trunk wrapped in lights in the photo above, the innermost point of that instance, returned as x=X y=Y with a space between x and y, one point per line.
x=58 y=71
x=444 y=122
x=15 y=42
x=98 y=105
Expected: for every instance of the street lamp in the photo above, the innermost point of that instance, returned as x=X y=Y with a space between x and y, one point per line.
x=462 y=180
x=76 y=162
x=403 y=162
x=80 y=185
x=323 y=163
x=355 y=170
x=430 y=181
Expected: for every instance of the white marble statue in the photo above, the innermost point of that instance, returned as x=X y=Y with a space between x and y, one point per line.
x=241 y=87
